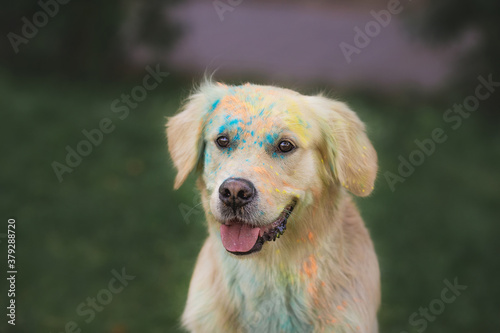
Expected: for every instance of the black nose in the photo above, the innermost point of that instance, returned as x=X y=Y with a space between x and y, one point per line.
x=236 y=192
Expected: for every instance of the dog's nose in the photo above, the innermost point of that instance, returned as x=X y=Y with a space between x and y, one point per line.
x=236 y=192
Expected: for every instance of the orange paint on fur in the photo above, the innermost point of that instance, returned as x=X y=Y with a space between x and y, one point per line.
x=310 y=267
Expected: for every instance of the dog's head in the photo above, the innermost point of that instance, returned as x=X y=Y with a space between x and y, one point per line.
x=263 y=152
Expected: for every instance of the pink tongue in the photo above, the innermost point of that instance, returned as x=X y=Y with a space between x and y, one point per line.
x=238 y=237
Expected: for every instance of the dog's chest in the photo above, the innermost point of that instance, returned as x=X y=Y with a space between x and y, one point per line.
x=270 y=305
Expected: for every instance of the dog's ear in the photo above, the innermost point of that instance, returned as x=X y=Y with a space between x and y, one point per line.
x=184 y=137
x=346 y=151
x=184 y=130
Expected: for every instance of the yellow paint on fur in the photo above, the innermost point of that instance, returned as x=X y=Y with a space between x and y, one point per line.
x=295 y=121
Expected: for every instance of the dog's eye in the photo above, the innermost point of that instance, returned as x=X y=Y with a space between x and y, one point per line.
x=222 y=141
x=286 y=146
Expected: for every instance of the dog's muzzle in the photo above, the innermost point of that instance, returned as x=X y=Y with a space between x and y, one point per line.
x=241 y=238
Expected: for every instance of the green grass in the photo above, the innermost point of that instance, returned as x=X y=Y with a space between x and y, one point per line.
x=117 y=209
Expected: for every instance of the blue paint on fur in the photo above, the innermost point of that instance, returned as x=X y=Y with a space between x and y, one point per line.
x=214 y=105
x=276 y=308
x=208 y=157
x=234 y=122
x=271 y=138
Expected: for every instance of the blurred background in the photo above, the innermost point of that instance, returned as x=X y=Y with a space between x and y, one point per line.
x=87 y=211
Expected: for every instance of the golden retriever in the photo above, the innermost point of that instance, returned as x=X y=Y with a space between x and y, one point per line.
x=287 y=250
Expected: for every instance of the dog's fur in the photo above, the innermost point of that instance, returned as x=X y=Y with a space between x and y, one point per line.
x=322 y=275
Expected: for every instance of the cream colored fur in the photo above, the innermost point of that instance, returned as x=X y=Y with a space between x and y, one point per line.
x=322 y=275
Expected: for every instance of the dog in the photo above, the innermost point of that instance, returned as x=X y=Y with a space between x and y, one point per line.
x=287 y=250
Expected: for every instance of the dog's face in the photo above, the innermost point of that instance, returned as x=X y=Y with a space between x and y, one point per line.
x=263 y=151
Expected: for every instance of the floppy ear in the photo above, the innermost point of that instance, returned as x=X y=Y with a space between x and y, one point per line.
x=184 y=130
x=347 y=152
x=184 y=137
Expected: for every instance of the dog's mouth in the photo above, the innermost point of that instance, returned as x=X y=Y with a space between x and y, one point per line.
x=240 y=238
